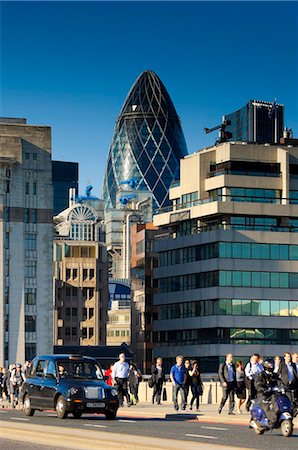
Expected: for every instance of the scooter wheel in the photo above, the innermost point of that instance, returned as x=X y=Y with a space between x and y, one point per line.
x=287 y=428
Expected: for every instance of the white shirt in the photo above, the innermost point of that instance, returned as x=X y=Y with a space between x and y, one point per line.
x=120 y=370
x=252 y=369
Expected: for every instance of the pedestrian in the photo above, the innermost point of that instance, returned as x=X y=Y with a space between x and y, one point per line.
x=26 y=369
x=158 y=378
x=240 y=387
x=227 y=378
x=6 y=384
x=120 y=374
x=295 y=364
x=288 y=376
x=134 y=379
x=108 y=373
x=277 y=363
x=187 y=379
x=252 y=368
x=16 y=381
x=178 y=377
x=1 y=383
x=197 y=386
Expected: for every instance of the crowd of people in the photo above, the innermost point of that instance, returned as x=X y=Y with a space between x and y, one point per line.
x=11 y=381
x=252 y=381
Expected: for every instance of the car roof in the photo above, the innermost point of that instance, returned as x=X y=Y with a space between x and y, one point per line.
x=66 y=356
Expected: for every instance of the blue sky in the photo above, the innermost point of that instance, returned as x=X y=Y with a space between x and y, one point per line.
x=71 y=65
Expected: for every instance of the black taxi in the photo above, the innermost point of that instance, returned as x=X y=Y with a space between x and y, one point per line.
x=69 y=384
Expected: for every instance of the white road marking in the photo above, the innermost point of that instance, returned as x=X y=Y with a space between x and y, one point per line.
x=216 y=428
x=18 y=418
x=51 y=415
x=201 y=436
x=127 y=421
x=95 y=426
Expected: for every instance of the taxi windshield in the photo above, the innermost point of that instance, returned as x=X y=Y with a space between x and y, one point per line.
x=79 y=370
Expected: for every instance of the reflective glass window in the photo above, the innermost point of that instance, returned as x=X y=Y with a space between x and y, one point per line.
x=265 y=279
x=293 y=252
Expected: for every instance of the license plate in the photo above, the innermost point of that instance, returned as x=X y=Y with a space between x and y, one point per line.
x=95 y=405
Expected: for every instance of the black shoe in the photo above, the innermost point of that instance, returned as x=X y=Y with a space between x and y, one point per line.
x=129 y=404
x=219 y=410
x=190 y=407
x=231 y=413
x=176 y=408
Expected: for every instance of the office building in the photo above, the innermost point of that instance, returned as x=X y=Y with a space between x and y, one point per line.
x=65 y=176
x=119 y=313
x=81 y=275
x=257 y=122
x=147 y=144
x=228 y=274
x=26 y=241
x=143 y=287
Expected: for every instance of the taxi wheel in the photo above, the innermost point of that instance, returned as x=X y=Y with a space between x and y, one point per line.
x=27 y=406
x=77 y=414
x=61 y=408
x=111 y=415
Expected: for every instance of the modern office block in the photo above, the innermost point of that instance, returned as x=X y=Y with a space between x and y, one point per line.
x=26 y=241
x=228 y=273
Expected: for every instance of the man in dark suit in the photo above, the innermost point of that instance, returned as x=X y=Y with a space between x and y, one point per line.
x=158 y=378
x=227 y=378
x=288 y=376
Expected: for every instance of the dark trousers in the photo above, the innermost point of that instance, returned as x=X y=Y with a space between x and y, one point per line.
x=122 y=390
x=157 y=390
x=196 y=392
x=186 y=388
x=176 y=389
x=228 y=392
x=269 y=407
x=251 y=394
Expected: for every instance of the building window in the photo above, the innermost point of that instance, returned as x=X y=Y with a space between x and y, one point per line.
x=74 y=273
x=74 y=312
x=91 y=332
x=30 y=351
x=30 y=324
x=26 y=215
x=27 y=188
x=67 y=311
x=84 y=333
x=67 y=291
x=30 y=242
x=6 y=295
x=117 y=333
x=74 y=331
x=30 y=296
x=7 y=173
x=30 y=269
x=7 y=187
x=91 y=274
x=74 y=291
x=67 y=332
x=91 y=313
x=84 y=313
x=27 y=155
x=6 y=215
x=35 y=156
x=85 y=274
x=34 y=188
x=68 y=274
x=6 y=241
x=34 y=216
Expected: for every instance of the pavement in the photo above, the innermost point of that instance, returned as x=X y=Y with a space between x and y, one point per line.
x=142 y=427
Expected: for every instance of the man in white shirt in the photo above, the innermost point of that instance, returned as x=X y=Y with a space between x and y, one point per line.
x=120 y=373
x=251 y=370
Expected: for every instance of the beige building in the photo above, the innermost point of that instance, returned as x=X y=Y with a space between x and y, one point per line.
x=81 y=278
x=228 y=273
x=26 y=241
x=118 y=326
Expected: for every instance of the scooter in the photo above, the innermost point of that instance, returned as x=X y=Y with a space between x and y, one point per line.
x=259 y=421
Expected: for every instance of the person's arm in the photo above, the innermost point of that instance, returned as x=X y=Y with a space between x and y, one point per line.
x=113 y=374
x=172 y=376
x=221 y=375
x=247 y=371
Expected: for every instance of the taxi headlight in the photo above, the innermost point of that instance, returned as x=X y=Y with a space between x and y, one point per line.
x=114 y=392
x=72 y=391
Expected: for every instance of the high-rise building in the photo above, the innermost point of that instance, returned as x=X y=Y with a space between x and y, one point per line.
x=119 y=313
x=257 y=122
x=65 y=176
x=26 y=241
x=81 y=275
x=147 y=144
x=228 y=274
x=143 y=287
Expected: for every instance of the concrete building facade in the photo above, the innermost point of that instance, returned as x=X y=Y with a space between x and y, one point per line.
x=26 y=241
x=228 y=274
x=81 y=277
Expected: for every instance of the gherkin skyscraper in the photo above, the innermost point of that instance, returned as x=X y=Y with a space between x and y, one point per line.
x=147 y=144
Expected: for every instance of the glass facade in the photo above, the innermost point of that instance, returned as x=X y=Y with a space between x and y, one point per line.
x=65 y=176
x=229 y=307
x=148 y=142
x=230 y=278
x=255 y=122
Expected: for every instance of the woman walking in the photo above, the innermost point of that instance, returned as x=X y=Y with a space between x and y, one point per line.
x=134 y=379
x=240 y=389
x=196 y=385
